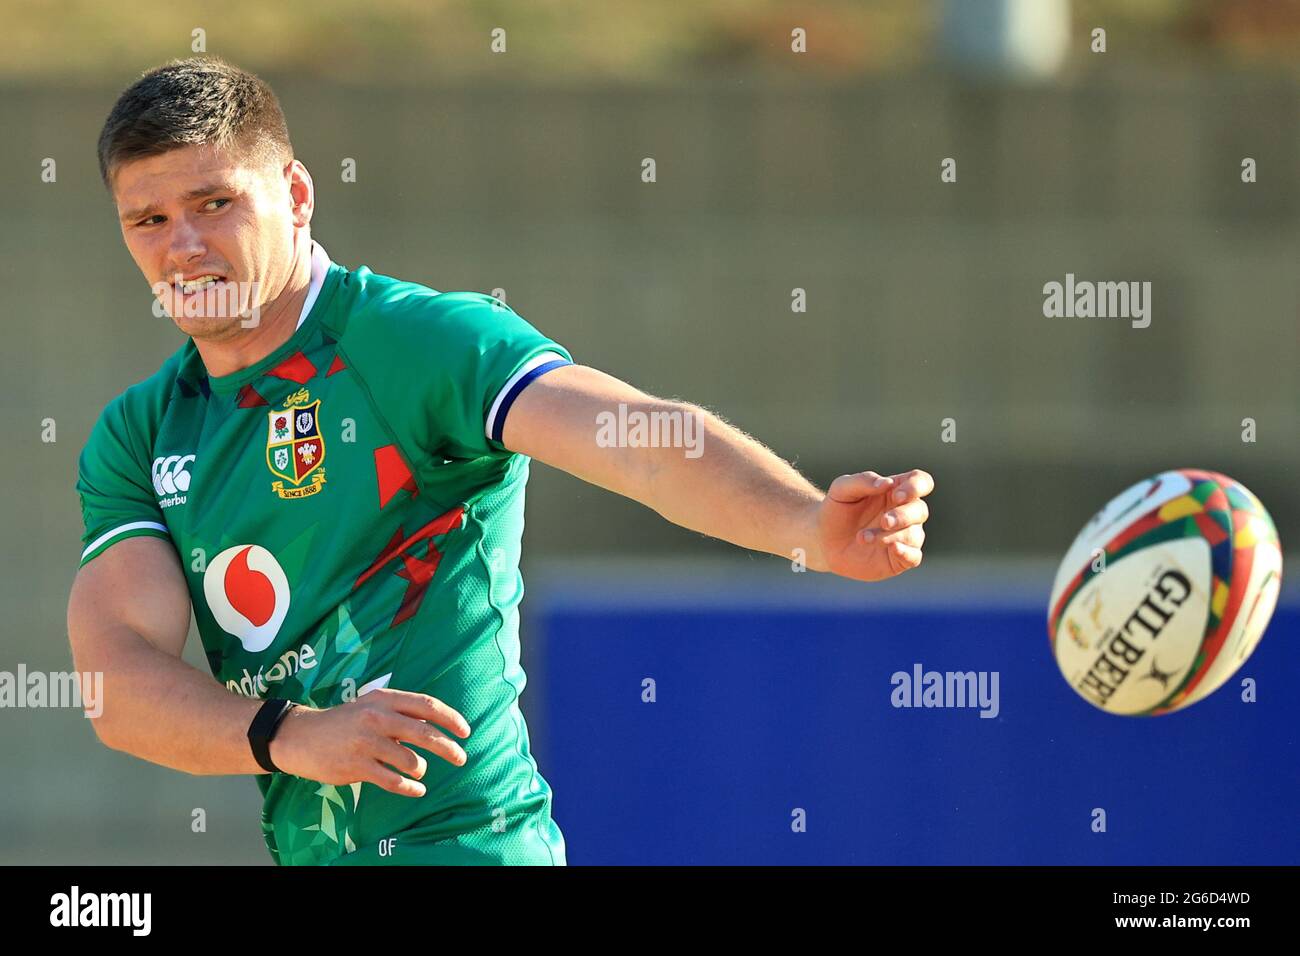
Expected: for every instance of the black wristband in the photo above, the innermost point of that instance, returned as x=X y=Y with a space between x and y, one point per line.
x=262 y=730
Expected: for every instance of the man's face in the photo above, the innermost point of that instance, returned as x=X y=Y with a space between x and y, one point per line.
x=201 y=211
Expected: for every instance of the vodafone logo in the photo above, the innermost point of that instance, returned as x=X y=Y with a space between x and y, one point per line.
x=248 y=594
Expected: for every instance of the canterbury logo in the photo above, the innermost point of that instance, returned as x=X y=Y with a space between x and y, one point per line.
x=171 y=475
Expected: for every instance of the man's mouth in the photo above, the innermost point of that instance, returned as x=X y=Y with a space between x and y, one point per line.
x=198 y=283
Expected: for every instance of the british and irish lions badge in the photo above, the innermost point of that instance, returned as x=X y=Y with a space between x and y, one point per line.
x=295 y=449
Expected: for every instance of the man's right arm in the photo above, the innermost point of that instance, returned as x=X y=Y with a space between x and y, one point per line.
x=128 y=616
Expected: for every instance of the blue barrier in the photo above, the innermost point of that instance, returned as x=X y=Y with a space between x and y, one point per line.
x=763 y=712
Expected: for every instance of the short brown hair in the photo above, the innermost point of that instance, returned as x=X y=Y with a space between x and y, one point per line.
x=191 y=102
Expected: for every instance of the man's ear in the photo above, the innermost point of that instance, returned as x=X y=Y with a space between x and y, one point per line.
x=302 y=202
x=287 y=174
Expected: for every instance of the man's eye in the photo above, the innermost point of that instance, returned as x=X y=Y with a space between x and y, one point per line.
x=211 y=201
x=146 y=222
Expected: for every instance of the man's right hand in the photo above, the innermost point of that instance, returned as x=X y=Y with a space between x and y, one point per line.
x=128 y=616
x=357 y=742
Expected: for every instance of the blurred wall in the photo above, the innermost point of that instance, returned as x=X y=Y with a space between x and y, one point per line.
x=924 y=298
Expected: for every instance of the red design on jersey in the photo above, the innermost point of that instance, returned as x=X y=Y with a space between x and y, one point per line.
x=397 y=544
x=416 y=570
x=392 y=473
x=393 y=547
x=249 y=592
x=249 y=398
x=335 y=366
x=296 y=368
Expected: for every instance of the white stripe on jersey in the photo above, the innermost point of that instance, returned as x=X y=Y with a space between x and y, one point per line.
x=132 y=526
x=505 y=389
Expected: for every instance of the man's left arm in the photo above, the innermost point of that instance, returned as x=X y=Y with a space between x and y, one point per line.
x=723 y=483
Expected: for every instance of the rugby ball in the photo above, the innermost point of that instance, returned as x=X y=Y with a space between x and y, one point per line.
x=1165 y=593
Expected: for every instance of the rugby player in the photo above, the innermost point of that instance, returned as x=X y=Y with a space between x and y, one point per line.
x=330 y=473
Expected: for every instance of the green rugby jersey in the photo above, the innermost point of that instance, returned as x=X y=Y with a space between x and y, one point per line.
x=347 y=518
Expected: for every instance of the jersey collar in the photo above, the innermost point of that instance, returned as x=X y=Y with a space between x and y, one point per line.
x=321 y=268
x=320 y=264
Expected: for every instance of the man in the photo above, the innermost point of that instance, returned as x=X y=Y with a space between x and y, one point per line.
x=331 y=470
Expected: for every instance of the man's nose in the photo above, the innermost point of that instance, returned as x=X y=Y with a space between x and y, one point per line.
x=187 y=243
